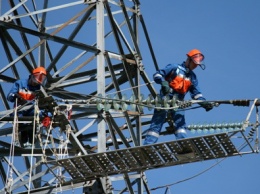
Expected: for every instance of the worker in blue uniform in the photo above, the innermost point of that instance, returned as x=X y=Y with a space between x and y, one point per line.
x=177 y=80
x=23 y=91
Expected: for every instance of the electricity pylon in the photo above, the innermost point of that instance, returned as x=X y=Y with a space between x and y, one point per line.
x=92 y=51
x=88 y=48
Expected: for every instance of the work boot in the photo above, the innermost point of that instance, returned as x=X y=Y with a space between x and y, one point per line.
x=27 y=145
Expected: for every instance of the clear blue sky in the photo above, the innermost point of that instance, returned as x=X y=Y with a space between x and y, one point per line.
x=227 y=32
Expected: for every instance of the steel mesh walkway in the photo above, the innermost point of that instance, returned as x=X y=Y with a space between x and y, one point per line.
x=148 y=157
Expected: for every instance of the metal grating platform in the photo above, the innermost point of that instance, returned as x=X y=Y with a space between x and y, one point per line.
x=164 y=154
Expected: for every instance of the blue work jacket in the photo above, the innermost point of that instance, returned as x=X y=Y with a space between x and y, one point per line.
x=22 y=88
x=181 y=80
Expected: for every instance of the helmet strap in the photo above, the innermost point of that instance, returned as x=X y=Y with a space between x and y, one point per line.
x=202 y=66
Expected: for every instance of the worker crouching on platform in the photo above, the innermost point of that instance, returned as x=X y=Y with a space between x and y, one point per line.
x=177 y=80
x=23 y=91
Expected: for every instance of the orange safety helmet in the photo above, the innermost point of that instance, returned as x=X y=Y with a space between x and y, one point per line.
x=39 y=75
x=197 y=57
x=40 y=70
x=194 y=52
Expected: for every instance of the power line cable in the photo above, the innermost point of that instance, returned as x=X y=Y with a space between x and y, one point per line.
x=189 y=178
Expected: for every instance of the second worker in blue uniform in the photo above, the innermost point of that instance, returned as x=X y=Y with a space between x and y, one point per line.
x=177 y=80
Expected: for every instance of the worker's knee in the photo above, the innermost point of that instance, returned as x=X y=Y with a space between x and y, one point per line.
x=180 y=133
x=151 y=137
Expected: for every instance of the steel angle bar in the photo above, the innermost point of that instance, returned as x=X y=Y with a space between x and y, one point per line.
x=71 y=37
x=15 y=170
x=24 y=37
x=120 y=80
x=112 y=132
x=110 y=119
x=6 y=79
x=75 y=142
x=133 y=35
x=51 y=37
x=149 y=42
x=54 y=85
x=137 y=2
x=21 y=55
x=64 y=94
x=27 y=151
x=119 y=57
x=251 y=109
x=4 y=36
x=7 y=146
x=4 y=100
x=3 y=172
x=113 y=75
x=48 y=188
x=82 y=77
x=86 y=127
x=26 y=119
x=246 y=142
x=120 y=48
x=90 y=114
x=64 y=67
x=124 y=38
x=14 y=8
x=148 y=83
x=17 y=183
x=119 y=5
x=130 y=127
x=246 y=124
x=30 y=15
x=136 y=181
x=90 y=73
x=49 y=9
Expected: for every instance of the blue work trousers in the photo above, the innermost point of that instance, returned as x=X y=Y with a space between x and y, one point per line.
x=157 y=122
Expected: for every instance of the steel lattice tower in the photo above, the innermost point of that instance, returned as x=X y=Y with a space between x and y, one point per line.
x=92 y=51
x=89 y=48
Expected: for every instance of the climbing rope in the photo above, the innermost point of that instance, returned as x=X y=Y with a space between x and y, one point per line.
x=35 y=124
x=14 y=141
x=63 y=146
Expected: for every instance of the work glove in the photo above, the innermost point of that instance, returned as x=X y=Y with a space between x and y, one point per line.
x=206 y=105
x=165 y=87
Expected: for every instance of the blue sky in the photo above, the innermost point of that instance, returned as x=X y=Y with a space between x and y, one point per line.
x=227 y=32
